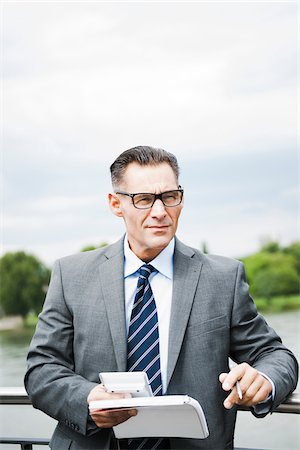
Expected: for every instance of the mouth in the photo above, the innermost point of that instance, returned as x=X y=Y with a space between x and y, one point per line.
x=159 y=227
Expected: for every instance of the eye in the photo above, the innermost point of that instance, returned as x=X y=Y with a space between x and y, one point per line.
x=172 y=195
x=143 y=199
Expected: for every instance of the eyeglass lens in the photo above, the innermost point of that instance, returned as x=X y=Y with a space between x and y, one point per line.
x=171 y=198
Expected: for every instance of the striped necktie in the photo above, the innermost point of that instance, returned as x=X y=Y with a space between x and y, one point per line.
x=143 y=346
x=143 y=336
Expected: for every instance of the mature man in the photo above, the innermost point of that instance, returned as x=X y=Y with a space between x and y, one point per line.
x=149 y=302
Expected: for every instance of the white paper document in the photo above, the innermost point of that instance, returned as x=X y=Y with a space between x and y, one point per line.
x=161 y=416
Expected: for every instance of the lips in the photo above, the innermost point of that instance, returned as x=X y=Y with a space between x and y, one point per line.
x=158 y=227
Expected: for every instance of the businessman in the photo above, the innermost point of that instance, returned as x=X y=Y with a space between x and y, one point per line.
x=151 y=303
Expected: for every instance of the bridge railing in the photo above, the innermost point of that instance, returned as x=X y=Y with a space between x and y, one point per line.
x=18 y=396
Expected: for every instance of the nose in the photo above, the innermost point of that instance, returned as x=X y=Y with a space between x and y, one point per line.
x=158 y=209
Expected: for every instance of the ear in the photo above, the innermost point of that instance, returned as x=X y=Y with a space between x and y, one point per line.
x=115 y=204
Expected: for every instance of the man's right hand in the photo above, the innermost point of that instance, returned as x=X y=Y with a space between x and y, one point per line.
x=108 y=419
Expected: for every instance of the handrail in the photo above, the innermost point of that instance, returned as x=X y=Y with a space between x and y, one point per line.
x=25 y=443
x=291 y=405
x=18 y=396
x=14 y=396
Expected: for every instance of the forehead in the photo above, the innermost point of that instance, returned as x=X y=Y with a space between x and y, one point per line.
x=150 y=178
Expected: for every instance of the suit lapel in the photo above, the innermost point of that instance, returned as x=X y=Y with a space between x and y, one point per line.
x=186 y=276
x=112 y=284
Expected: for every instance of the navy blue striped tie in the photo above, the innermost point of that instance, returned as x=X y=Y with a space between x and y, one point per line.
x=143 y=345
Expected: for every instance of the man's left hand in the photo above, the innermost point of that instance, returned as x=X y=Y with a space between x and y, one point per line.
x=255 y=388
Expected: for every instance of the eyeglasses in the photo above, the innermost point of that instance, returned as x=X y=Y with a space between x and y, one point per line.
x=147 y=200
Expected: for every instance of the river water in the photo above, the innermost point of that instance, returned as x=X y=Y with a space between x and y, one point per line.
x=278 y=431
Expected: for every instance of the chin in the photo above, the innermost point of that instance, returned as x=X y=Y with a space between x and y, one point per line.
x=160 y=242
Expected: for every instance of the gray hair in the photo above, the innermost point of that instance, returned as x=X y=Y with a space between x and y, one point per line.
x=143 y=155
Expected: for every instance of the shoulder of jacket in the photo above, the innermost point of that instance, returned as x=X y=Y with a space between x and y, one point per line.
x=91 y=256
x=214 y=261
x=222 y=260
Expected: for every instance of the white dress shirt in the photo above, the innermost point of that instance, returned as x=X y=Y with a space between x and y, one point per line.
x=162 y=286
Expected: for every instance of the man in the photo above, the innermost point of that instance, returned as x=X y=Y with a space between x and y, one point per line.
x=201 y=315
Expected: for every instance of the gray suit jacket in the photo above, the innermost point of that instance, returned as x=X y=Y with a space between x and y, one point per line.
x=81 y=332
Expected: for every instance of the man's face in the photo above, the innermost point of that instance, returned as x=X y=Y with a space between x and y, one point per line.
x=149 y=230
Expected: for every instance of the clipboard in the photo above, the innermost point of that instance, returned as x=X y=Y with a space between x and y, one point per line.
x=161 y=416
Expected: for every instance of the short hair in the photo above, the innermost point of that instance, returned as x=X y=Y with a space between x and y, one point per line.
x=143 y=155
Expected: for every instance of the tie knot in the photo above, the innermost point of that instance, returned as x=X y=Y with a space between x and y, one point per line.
x=146 y=270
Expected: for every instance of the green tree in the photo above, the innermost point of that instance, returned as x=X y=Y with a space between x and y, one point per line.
x=271 y=247
x=273 y=271
x=276 y=280
x=294 y=250
x=24 y=282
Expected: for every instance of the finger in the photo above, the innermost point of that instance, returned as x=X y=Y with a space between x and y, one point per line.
x=114 y=395
x=233 y=376
x=99 y=393
x=108 y=419
x=231 y=399
x=251 y=388
x=251 y=376
x=222 y=377
x=261 y=391
x=111 y=414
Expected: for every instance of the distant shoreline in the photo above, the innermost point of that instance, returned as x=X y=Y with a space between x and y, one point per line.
x=277 y=305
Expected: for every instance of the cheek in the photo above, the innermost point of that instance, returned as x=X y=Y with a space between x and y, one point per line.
x=136 y=222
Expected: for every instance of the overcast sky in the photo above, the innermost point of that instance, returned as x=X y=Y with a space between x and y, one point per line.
x=213 y=82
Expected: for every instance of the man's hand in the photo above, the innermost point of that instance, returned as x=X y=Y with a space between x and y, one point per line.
x=255 y=388
x=108 y=419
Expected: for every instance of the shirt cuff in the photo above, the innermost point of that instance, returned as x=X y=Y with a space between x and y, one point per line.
x=264 y=407
x=272 y=395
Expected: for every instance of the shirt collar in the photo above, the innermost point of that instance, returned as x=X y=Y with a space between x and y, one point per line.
x=163 y=262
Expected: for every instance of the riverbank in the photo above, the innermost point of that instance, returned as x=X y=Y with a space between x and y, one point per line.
x=278 y=304
x=11 y=323
x=271 y=305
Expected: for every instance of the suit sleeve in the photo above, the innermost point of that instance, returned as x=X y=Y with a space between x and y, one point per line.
x=254 y=342
x=51 y=381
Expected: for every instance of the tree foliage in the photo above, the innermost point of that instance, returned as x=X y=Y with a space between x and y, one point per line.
x=273 y=270
x=24 y=279
x=294 y=251
x=24 y=282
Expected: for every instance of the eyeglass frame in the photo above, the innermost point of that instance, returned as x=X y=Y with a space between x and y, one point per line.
x=156 y=196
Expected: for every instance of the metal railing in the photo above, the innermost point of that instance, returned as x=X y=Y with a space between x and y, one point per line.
x=18 y=396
